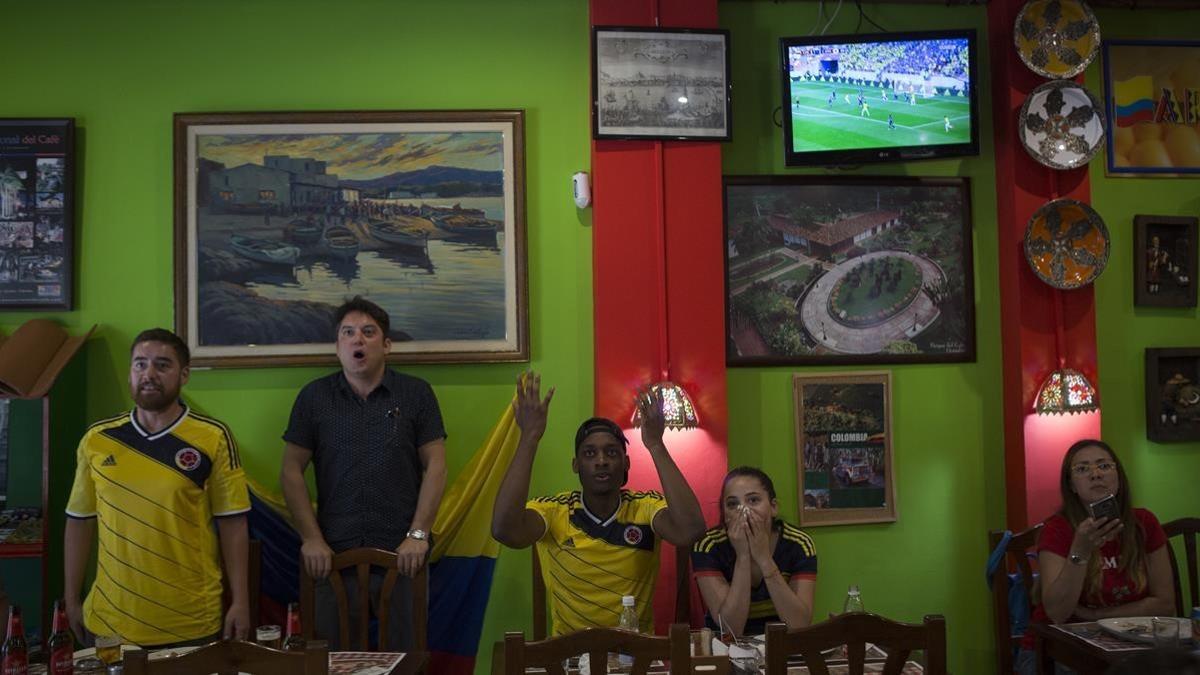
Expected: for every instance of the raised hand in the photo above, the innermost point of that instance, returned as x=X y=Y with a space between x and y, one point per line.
x=650 y=405
x=529 y=408
x=738 y=530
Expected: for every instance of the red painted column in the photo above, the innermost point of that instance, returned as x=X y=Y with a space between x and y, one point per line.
x=657 y=218
x=1033 y=445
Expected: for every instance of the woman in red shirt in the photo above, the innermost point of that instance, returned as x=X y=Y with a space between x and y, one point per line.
x=1095 y=567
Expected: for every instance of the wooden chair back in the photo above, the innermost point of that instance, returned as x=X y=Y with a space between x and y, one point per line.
x=683 y=591
x=1015 y=560
x=1187 y=529
x=253 y=581
x=597 y=643
x=232 y=657
x=854 y=630
x=362 y=560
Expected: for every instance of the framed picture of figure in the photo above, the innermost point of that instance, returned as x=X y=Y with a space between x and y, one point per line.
x=1173 y=394
x=1164 y=261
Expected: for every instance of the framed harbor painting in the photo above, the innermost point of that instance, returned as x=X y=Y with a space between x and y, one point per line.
x=848 y=269
x=844 y=448
x=280 y=217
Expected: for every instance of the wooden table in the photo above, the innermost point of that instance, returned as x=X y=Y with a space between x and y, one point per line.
x=1083 y=647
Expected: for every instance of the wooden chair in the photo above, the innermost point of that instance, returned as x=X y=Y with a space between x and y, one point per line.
x=597 y=643
x=683 y=591
x=855 y=630
x=232 y=657
x=253 y=581
x=1186 y=528
x=363 y=559
x=1016 y=560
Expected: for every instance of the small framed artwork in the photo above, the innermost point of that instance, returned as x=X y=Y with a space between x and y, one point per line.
x=1149 y=92
x=1164 y=262
x=844 y=448
x=280 y=217
x=848 y=269
x=660 y=83
x=37 y=213
x=1173 y=394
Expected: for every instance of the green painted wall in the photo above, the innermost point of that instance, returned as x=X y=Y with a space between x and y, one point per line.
x=123 y=68
x=948 y=441
x=1163 y=476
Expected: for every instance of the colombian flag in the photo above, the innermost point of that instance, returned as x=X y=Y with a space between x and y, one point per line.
x=461 y=563
x=464 y=553
x=1134 y=100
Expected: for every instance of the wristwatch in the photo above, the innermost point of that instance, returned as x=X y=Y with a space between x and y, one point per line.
x=419 y=535
x=1077 y=559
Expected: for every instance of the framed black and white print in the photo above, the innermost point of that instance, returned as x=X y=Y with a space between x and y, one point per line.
x=660 y=83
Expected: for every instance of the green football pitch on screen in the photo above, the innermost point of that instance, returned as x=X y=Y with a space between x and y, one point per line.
x=827 y=116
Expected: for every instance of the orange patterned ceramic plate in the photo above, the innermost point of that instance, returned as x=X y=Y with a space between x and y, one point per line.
x=1056 y=38
x=1066 y=244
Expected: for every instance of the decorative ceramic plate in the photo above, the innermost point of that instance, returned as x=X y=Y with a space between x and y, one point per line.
x=1061 y=125
x=1139 y=628
x=1066 y=244
x=1056 y=38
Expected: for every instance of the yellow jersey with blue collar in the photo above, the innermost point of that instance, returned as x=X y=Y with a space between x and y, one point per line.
x=154 y=497
x=588 y=563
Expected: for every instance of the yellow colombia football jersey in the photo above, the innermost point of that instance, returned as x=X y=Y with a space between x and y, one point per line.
x=158 y=574
x=588 y=564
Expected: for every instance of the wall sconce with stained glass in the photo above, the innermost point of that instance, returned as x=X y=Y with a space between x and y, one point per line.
x=1066 y=391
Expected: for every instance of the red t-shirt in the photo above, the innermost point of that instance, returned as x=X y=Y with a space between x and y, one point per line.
x=1117 y=587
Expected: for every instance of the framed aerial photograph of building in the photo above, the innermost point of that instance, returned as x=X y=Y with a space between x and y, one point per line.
x=844 y=448
x=668 y=83
x=1173 y=394
x=1164 y=262
x=280 y=217
x=831 y=269
x=37 y=213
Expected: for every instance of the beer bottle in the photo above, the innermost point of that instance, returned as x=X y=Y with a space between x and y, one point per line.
x=14 y=653
x=62 y=644
x=295 y=635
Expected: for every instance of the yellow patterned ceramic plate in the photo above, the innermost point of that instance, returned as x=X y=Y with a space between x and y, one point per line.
x=1066 y=244
x=1056 y=38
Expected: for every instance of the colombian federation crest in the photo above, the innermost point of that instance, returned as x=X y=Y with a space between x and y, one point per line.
x=187 y=459
x=633 y=535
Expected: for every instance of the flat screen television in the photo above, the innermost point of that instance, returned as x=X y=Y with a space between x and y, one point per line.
x=853 y=99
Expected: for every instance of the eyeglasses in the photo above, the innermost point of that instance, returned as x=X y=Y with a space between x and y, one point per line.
x=1085 y=468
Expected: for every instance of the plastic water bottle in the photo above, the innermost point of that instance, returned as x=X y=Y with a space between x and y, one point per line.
x=629 y=622
x=854 y=601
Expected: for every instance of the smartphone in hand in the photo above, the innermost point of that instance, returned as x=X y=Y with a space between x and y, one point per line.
x=1105 y=508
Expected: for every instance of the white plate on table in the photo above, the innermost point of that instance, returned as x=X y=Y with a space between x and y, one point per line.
x=1139 y=628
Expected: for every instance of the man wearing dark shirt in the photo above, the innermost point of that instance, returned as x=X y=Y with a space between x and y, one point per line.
x=377 y=444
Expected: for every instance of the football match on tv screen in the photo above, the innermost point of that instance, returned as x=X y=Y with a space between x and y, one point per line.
x=881 y=94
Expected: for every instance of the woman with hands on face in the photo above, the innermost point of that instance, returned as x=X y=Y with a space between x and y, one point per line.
x=754 y=568
x=1095 y=567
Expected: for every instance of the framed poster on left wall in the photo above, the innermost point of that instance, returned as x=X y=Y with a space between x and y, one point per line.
x=37 y=213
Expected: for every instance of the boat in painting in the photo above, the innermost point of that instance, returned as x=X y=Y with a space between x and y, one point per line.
x=264 y=250
x=340 y=241
x=302 y=232
x=393 y=233
x=466 y=226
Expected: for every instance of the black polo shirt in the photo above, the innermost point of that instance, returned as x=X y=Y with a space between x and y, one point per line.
x=365 y=455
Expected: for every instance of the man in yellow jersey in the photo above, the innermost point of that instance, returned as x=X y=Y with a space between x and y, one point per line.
x=600 y=543
x=151 y=482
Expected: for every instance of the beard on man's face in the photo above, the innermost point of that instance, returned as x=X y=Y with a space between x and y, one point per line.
x=154 y=399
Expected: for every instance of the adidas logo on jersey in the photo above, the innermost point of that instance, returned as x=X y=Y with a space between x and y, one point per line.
x=109 y=461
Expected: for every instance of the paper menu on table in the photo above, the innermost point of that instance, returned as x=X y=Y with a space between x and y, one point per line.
x=363 y=663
